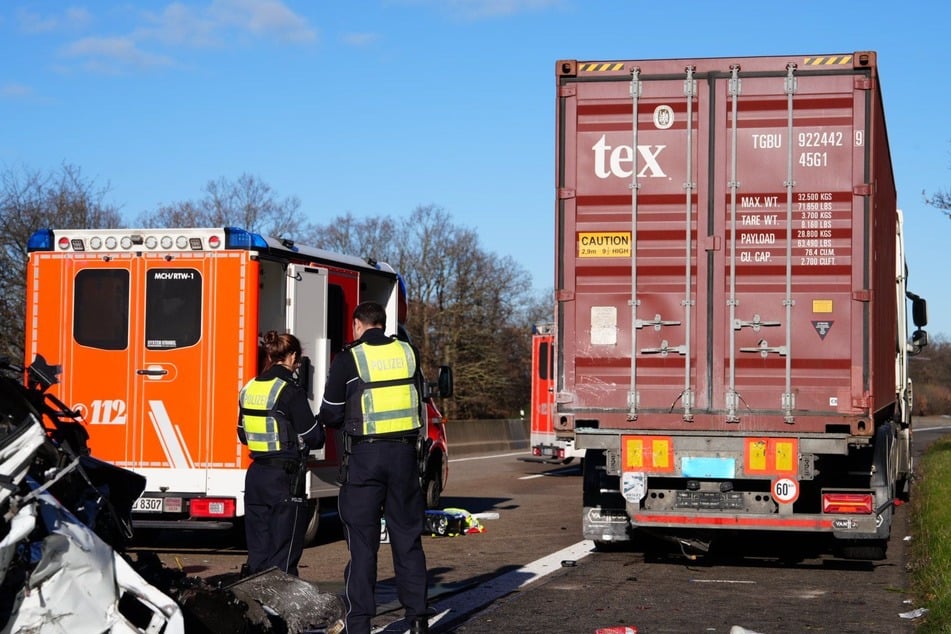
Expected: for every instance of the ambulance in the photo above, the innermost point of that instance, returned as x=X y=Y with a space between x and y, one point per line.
x=155 y=331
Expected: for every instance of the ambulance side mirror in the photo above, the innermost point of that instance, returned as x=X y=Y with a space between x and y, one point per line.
x=444 y=381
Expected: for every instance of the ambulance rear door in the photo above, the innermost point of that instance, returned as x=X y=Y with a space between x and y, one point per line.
x=191 y=334
x=307 y=298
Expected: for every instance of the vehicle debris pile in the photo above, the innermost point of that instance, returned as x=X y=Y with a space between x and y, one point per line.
x=65 y=521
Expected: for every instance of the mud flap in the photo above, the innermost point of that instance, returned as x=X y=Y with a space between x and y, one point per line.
x=300 y=604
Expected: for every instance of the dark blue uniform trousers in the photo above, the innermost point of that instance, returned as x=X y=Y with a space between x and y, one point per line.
x=274 y=523
x=383 y=480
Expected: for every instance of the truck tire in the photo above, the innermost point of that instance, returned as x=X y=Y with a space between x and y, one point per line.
x=313 y=522
x=864 y=549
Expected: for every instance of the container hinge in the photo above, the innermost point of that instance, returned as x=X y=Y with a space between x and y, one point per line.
x=562 y=295
x=862 y=83
x=564 y=194
x=865 y=189
x=568 y=91
x=863 y=295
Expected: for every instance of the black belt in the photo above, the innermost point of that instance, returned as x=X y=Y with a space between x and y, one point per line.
x=406 y=440
x=284 y=463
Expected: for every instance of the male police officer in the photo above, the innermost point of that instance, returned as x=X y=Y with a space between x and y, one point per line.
x=373 y=394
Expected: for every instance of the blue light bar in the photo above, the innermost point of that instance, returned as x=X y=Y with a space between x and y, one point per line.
x=240 y=239
x=41 y=240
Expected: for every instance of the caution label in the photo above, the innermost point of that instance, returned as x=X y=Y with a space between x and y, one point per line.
x=604 y=244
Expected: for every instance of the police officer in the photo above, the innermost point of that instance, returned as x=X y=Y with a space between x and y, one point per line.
x=279 y=428
x=373 y=395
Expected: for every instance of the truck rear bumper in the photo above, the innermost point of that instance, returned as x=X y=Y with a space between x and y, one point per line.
x=614 y=524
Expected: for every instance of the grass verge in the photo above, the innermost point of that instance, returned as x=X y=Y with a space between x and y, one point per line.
x=931 y=547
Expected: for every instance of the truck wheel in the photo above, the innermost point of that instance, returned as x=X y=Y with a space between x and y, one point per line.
x=432 y=490
x=313 y=522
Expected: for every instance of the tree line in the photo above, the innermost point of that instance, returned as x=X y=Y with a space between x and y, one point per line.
x=468 y=307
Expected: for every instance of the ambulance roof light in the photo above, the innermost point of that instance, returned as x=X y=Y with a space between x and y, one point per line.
x=241 y=239
x=41 y=240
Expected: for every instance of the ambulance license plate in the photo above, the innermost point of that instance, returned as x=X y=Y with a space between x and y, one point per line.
x=147 y=505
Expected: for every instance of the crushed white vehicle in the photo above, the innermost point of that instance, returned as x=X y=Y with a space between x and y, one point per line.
x=65 y=523
x=57 y=573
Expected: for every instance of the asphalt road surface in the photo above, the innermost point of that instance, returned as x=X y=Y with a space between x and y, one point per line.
x=530 y=570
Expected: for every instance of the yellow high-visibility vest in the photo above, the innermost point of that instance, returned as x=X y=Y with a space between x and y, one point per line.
x=389 y=401
x=261 y=427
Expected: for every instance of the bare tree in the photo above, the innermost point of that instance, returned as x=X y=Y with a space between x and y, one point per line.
x=371 y=238
x=247 y=202
x=31 y=200
x=940 y=200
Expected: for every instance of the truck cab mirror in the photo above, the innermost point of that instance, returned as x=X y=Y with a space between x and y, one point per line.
x=919 y=313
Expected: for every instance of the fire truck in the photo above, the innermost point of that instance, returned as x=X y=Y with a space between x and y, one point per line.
x=155 y=331
x=550 y=442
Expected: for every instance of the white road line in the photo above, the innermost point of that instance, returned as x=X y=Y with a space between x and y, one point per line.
x=486 y=593
x=496 y=588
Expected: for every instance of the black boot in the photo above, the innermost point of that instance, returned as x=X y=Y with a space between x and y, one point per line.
x=419 y=625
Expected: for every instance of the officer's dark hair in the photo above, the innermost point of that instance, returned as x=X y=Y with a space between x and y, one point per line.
x=276 y=347
x=370 y=314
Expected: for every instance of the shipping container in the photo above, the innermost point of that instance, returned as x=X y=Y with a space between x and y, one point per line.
x=730 y=297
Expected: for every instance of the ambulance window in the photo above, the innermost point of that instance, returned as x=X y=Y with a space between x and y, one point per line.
x=173 y=308
x=101 y=308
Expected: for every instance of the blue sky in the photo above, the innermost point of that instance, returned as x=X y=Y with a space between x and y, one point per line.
x=378 y=106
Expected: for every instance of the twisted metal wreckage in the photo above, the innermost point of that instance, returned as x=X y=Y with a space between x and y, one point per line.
x=65 y=520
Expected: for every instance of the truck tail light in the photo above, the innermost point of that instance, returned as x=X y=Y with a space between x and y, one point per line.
x=853 y=503
x=212 y=507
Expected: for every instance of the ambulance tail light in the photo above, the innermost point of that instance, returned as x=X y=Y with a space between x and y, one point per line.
x=240 y=239
x=212 y=507
x=41 y=240
x=851 y=503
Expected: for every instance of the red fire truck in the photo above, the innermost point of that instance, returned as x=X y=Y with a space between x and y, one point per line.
x=549 y=442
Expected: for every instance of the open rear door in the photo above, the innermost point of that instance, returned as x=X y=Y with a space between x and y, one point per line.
x=307 y=320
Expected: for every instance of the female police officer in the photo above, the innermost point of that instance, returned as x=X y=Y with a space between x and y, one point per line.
x=278 y=426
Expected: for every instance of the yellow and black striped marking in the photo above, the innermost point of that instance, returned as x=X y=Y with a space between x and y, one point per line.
x=828 y=60
x=600 y=67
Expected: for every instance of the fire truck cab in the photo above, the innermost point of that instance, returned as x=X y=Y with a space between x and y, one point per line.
x=157 y=330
